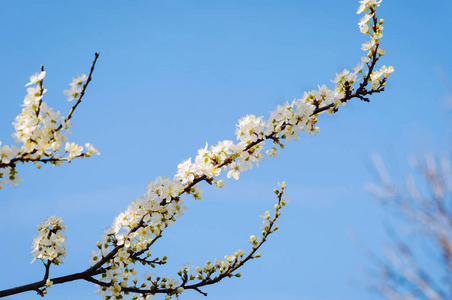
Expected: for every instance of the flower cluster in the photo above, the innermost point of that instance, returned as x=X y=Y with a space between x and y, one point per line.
x=39 y=131
x=370 y=25
x=118 y=272
x=252 y=131
x=48 y=245
x=132 y=233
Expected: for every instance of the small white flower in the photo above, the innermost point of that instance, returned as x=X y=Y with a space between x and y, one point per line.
x=49 y=282
x=253 y=239
x=219 y=183
x=73 y=149
x=73 y=93
x=185 y=267
x=364 y=20
x=387 y=70
x=91 y=150
x=36 y=78
x=95 y=257
x=234 y=171
x=265 y=215
x=367 y=45
x=79 y=79
x=229 y=258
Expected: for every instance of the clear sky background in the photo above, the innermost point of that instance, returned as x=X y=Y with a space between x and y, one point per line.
x=173 y=75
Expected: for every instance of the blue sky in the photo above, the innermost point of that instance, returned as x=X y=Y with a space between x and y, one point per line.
x=173 y=75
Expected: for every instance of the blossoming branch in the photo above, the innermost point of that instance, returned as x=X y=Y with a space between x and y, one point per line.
x=39 y=130
x=125 y=245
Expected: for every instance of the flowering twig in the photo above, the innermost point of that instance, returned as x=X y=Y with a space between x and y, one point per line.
x=134 y=231
x=38 y=130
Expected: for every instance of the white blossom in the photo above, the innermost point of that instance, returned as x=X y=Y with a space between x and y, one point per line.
x=48 y=244
x=36 y=78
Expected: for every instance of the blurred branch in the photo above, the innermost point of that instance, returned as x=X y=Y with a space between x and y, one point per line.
x=407 y=271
